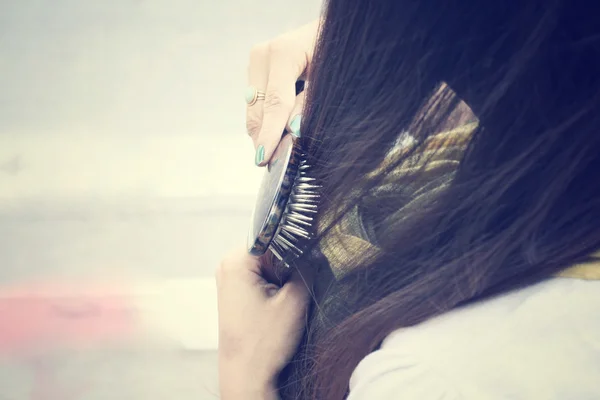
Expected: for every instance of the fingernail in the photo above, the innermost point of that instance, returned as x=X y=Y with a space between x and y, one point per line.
x=295 y=125
x=260 y=155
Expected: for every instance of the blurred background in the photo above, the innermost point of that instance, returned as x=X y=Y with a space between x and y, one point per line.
x=125 y=174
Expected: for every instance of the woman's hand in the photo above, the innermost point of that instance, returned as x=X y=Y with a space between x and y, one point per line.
x=260 y=326
x=274 y=68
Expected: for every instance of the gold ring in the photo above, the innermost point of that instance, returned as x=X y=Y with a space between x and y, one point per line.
x=253 y=95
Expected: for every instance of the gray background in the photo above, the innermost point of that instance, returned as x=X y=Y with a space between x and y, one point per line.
x=122 y=126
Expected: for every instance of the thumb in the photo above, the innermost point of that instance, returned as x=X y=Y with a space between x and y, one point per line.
x=293 y=125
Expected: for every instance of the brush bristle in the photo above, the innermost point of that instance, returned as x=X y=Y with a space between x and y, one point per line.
x=297 y=220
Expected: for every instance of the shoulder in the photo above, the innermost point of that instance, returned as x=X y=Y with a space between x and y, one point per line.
x=539 y=342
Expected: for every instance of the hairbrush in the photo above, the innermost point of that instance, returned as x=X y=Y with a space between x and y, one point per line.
x=287 y=202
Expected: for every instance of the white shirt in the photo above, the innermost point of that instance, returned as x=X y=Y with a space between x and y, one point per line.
x=541 y=342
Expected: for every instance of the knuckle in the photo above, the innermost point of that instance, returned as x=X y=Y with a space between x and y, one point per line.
x=277 y=46
x=294 y=297
x=284 y=51
x=253 y=124
x=229 y=264
x=274 y=101
x=222 y=270
x=259 y=50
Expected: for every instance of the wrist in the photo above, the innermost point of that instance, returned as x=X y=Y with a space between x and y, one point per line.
x=232 y=390
x=246 y=384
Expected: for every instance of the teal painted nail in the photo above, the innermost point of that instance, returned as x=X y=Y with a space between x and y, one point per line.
x=260 y=155
x=295 y=125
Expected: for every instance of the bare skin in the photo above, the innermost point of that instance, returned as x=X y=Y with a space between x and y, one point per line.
x=274 y=68
x=260 y=326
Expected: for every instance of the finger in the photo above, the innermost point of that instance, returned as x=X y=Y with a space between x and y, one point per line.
x=258 y=72
x=279 y=102
x=271 y=289
x=293 y=125
x=238 y=263
x=297 y=289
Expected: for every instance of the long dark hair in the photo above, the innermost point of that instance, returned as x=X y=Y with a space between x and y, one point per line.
x=525 y=201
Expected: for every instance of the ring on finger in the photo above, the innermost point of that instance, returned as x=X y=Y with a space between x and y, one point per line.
x=253 y=95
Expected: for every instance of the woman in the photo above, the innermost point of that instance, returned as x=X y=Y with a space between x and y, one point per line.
x=455 y=255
